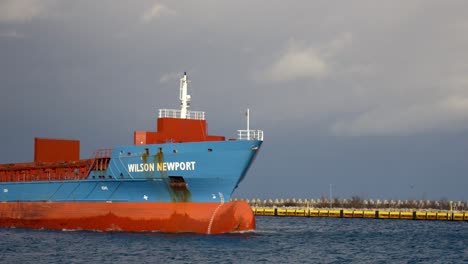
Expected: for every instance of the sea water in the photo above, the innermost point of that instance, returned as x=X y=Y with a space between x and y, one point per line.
x=276 y=240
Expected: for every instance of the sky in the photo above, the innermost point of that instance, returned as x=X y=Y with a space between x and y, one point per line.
x=366 y=98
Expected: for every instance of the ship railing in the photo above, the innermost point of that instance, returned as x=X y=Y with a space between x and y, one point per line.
x=54 y=172
x=102 y=153
x=174 y=113
x=99 y=160
x=250 y=135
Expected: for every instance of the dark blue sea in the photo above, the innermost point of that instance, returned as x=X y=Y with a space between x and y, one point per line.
x=276 y=240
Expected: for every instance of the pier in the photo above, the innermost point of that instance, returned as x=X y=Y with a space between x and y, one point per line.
x=356 y=207
x=358 y=213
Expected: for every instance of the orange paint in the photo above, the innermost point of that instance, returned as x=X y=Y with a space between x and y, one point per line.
x=203 y=218
x=52 y=150
x=176 y=130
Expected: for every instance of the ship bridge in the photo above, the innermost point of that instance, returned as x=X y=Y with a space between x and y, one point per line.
x=245 y=134
x=183 y=125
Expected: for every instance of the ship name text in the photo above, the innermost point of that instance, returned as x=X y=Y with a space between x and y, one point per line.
x=162 y=166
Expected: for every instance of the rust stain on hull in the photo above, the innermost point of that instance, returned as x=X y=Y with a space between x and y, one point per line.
x=176 y=186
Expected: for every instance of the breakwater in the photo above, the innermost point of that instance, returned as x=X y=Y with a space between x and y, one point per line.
x=360 y=213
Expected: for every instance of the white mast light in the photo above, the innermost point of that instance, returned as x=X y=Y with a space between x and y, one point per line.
x=184 y=97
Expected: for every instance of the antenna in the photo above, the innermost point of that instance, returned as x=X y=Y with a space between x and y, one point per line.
x=248 y=123
x=184 y=97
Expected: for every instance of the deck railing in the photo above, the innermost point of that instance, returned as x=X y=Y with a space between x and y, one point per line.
x=102 y=153
x=250 y=135
x=174 y=113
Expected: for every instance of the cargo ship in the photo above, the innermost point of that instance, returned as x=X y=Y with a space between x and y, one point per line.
x=175 y=179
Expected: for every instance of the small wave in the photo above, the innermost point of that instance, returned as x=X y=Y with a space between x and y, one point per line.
x=70 y=230
x=81 y=230
x=251 y=231
x=265 y=231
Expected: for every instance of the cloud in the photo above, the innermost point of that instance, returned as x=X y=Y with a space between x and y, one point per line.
x=10 y=34
x=341 y=42
x=297 y=64
x=435 y=104
x=446 y=114
x=375 y=81
x=156 y=11
x=303 y=62
x=170 y=77
x=17 y=11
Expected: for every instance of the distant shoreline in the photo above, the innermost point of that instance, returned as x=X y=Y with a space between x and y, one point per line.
x=358 y=203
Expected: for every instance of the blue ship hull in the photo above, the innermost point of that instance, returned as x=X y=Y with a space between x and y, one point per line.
x=211 y=171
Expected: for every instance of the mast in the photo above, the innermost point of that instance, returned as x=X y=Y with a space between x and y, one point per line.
x=184 y=97
x=248 y=123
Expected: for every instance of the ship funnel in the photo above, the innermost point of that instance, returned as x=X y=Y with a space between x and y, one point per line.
x=184 y=97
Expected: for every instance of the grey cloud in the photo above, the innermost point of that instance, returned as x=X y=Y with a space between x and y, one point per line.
x=172 y=77
x=302 y=61
x=19 y=11
x=156 y=11
x=314 y=74
x=10 y=34
x=387 y=73
x=297 y=63
x=444 y=115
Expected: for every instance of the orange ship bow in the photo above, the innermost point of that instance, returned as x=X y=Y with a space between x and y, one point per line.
x=193 y=217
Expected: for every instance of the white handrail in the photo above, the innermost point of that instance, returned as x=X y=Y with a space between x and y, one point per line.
x=250 y=135
x=175 y=113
